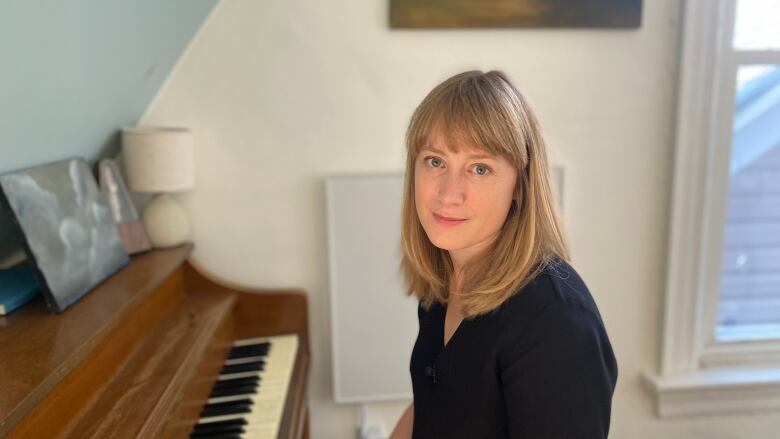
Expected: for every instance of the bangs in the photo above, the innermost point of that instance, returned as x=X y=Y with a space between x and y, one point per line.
x=471 y=114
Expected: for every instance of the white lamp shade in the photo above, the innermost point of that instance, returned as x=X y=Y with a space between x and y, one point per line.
x=158 y=159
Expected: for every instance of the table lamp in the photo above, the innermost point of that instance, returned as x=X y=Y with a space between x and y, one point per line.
x=160 y=160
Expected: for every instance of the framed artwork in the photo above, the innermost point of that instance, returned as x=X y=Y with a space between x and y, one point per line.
x=68 y=232
x=515 y=13
x=131 y=229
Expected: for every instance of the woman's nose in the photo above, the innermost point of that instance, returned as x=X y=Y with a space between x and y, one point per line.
x=452 y=188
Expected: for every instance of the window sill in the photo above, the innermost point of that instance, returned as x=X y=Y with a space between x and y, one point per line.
x=719 y=391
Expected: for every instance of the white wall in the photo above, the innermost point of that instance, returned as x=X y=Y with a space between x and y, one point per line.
x=283 y=93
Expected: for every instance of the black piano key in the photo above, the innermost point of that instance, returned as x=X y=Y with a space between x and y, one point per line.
x=263 y=345
x=225 y=435
x=227 y=405
x=220 y=385
x=228 y=385
x=246 y=367
x=226 y=408
x=230 y=388
x=211 y=432
x=233 y=382
x=226 y=411
x=253 y=350
x=238 y=382
x=257 y=349
x=240 y=422
x=236 y=355
x=235 y=390
x=232 y=391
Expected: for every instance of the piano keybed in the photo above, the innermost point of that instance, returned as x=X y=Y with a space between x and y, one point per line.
x=248 y=397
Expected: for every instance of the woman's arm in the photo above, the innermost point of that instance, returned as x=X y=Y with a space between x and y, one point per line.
x=403 y=430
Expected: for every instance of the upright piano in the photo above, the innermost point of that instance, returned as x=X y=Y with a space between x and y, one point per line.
x=159 y=349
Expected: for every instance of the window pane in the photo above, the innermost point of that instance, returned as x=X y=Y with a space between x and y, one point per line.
x=756 y=25
x=750 y=273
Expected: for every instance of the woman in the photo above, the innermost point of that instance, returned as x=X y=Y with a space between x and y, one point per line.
x=511 y=343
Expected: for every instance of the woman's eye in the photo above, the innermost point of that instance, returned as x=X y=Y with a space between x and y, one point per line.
x=481 y=170
x=434 y=161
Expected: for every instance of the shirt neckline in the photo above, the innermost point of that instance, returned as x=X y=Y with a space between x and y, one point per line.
x=454 y=334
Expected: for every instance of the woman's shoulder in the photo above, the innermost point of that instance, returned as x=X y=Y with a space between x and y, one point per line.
x=425 y=312
x=557 y=287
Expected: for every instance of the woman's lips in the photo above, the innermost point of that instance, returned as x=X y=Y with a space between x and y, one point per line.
x=446 y=220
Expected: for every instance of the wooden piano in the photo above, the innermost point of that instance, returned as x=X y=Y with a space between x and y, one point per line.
x=142 y=353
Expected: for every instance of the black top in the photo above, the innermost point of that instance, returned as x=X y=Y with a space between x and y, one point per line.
x=539 y=366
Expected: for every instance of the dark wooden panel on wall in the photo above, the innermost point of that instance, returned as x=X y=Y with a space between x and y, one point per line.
x=515 y=13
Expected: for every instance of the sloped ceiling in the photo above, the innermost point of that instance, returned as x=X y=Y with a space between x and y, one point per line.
x=73 y=72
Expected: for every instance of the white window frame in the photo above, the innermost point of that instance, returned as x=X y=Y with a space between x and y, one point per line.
x=698 y=374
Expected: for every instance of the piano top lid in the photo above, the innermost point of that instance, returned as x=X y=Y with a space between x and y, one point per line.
x=38 y=349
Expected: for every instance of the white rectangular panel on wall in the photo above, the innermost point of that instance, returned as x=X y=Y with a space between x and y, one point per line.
x=373 y=322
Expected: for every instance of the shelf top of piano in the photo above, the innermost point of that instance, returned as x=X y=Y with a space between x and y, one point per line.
x=38 y=348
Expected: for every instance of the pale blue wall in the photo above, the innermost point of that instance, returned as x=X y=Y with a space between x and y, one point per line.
x=72 y=72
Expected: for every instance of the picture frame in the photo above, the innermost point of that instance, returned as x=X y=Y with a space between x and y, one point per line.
x=131 y=229
x=515 y=13
x=70 y=238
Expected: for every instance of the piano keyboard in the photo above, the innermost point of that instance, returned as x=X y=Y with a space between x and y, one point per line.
x=248 y=397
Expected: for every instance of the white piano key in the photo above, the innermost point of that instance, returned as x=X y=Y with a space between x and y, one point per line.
x=265 y=414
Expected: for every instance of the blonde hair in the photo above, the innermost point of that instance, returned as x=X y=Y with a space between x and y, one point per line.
x=484 y=110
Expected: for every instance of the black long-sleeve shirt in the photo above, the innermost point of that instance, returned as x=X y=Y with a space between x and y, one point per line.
x=539 y=367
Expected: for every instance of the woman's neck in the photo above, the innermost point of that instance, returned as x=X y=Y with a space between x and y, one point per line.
x=460 y=257
x=453 y=292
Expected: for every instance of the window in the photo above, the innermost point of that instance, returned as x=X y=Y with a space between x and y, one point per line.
x=721 y=342
x=749 y=303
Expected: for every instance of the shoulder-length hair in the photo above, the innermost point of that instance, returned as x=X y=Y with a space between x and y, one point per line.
x=484 y=110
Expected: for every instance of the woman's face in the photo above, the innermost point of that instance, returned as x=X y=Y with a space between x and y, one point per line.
x=462 y=199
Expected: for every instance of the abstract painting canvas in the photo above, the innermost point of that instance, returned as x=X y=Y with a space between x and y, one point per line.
x=69 y=234
x=515 y=13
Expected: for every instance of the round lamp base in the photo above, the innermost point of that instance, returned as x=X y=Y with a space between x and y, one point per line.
x=165 y=222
